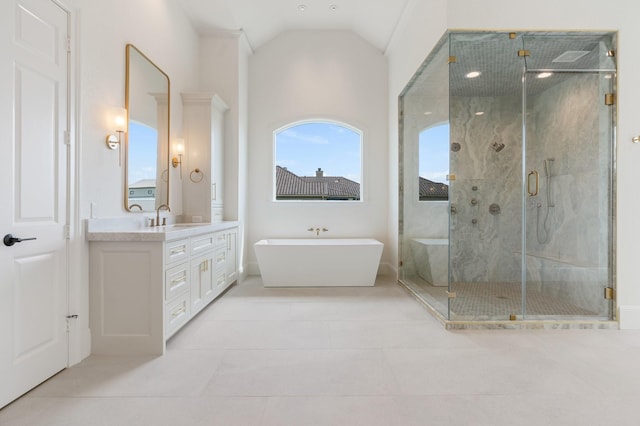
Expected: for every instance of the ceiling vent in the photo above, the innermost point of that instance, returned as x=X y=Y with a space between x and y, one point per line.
x=571 y=56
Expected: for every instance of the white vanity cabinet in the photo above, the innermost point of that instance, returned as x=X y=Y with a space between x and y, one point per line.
x=145 y=285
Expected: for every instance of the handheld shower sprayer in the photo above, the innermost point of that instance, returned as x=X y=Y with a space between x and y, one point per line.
x=543 y=234
x=547 y=166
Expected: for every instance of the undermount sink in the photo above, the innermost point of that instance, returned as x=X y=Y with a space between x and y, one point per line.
x=184 y=225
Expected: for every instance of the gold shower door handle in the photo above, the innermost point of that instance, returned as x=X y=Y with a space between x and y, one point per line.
x=534 y=192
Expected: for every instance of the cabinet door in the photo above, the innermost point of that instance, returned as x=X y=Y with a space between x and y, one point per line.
x=232 y=256
x=202 y=281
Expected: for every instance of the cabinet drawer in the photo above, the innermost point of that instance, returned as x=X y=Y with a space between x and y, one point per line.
x=220 y=259
x=176 y=313
x=202 y=243
x=176 y=281
x=176 y=250
x=221 y=283
x=220 y=239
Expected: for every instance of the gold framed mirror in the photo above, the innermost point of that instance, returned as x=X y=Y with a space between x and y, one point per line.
x=147 y=97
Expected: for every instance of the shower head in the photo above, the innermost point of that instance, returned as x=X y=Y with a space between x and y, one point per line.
x=497 y=147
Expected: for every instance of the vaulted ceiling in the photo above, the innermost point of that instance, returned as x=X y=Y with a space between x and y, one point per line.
x=261 y=20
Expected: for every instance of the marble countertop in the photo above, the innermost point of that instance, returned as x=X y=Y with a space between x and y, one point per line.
x=121 y=230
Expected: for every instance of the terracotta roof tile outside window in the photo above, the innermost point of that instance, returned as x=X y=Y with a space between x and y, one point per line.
x=433 y=191
x=290 y=186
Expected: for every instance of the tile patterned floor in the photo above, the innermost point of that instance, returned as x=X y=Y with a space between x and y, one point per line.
x=495 y=301
x=501 y=299
x=346 y=356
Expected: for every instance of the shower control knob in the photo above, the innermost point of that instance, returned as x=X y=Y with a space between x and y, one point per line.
x=494 y=209
x=474 y=221
x=474 y=201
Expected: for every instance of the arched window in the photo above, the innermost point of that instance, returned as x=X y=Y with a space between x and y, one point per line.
x=433 y=163
x=318 y=161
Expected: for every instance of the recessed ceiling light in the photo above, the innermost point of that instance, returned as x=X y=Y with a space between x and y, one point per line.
x=480 y=113
x=545 y=74
x=302 y=7
x=428 y=113
x=473 y=74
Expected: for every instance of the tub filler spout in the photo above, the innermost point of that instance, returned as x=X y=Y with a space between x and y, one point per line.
x=317 y=230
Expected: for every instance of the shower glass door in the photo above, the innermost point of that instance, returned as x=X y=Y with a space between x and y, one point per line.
x=486 y=216
x=568 y=194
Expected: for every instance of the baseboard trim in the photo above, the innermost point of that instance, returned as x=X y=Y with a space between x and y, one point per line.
x=629 y=317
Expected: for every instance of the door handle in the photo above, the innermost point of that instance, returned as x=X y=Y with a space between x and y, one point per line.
x=533 y=192
x=10 y=240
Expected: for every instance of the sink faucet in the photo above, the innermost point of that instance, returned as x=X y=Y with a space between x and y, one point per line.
x=160 y=207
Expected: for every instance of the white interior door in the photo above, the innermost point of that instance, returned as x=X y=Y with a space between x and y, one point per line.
x=33 y=188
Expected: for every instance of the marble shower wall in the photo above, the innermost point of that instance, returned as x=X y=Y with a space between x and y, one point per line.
x=484 y=246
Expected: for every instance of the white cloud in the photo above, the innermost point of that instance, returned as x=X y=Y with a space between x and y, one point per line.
x=298 y=137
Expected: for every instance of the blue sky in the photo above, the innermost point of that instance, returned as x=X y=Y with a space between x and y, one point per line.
x=308 y=146
x=434 y=153
x=143 y=140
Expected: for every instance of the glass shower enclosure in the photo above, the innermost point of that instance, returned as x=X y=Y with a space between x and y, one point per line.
x=507 y=167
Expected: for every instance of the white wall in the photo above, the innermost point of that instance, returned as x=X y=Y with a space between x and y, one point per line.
x=166 y=37
x=101 y=31
x=410 y=47
x=317 y=74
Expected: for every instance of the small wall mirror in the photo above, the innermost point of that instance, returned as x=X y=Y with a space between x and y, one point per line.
x=146 y=183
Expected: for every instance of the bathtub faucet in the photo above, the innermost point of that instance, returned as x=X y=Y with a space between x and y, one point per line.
x=317 y=230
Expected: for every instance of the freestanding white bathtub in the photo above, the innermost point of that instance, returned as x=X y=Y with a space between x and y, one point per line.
x=318 y=262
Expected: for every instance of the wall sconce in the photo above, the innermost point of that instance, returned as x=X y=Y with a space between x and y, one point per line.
x=119 y=120
x=178 y=149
